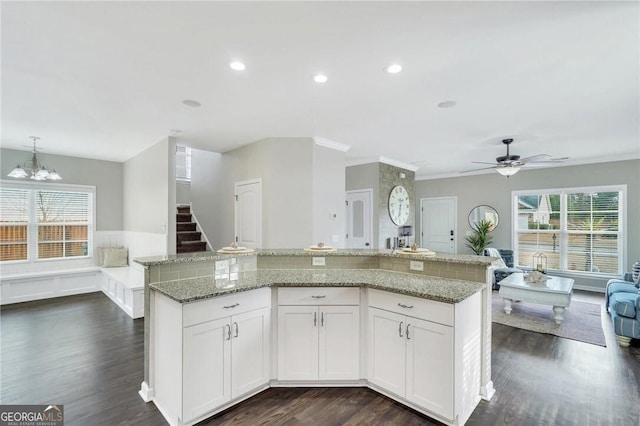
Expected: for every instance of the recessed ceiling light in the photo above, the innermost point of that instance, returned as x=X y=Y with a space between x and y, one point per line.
x=393 y=68
x=192 y=103
x=238 y=66
x=320 y=78
x=447 y=104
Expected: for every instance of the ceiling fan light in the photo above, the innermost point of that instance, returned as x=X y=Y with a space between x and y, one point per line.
x=508 y=170
x=18 y=173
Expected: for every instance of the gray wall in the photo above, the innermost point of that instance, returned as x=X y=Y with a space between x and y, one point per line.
x=390 y=177
x=147 y=188
x=382 y=178
x=495 y=190
x=328 y=177
x=106 y=176
x=366 y=176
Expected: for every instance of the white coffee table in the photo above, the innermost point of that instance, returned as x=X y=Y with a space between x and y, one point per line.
x=556 y=291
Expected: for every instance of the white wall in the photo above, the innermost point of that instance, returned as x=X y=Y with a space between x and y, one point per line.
x=149 y=191
x=183 y=192
x=302 y=184
x=208 y=195
x=328 y=179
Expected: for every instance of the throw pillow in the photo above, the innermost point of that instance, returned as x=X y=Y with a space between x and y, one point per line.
x=114 y=257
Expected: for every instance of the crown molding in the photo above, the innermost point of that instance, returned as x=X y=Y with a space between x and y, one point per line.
x=384 y=160
x=331 y=144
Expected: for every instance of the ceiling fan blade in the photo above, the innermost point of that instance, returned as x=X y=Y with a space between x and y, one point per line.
x=482 y=168
x=535 y=158
x=482 y=162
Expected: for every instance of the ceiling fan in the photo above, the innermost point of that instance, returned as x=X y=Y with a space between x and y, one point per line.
x=509 y=164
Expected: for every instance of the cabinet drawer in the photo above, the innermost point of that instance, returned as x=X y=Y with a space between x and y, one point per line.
x=224 y=306
x=318 y=296
x=430 y=310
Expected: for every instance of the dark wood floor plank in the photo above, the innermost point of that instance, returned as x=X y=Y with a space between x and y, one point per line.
x=84 y=352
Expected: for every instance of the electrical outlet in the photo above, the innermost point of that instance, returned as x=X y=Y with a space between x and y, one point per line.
x=318 y=261
x=415 y=265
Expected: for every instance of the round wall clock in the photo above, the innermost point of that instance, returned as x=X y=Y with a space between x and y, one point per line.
x=399 y=205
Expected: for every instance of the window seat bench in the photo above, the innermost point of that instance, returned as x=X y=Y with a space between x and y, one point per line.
x=125 y=287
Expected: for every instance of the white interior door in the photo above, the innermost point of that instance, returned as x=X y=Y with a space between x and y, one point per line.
x=438 y=224
x=359 y=219
x=248 y=214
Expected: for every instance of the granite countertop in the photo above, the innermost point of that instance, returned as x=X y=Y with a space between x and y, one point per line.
x=202 y=256
x=427 y=287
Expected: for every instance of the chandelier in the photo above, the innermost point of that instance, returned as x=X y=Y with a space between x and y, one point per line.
x=33 y=168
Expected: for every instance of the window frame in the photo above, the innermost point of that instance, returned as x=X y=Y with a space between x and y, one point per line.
x=33 y=224
x=564 y=233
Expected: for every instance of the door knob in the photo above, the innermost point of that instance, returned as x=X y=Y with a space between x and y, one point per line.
x=366 y=244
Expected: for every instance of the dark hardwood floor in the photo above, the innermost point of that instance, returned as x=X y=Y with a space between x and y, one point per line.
x=84 y=352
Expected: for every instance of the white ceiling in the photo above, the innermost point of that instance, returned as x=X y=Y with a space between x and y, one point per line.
x=107 y=80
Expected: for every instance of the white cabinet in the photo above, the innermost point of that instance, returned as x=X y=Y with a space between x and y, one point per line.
x=209 y=353
x=415 y=358
x=318 y=341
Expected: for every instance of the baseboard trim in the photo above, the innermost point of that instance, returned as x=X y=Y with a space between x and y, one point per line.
x=145 y=392
x=487 y=391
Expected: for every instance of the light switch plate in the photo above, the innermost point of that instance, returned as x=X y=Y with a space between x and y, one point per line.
x=318 y=261
x=415 y=265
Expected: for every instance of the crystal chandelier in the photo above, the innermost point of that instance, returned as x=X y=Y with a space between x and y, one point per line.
x=33 y=168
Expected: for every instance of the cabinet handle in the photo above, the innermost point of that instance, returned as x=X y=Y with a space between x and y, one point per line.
x=228 y=330
x=237 y=329
x=315 y=319
x=402 y=305
x=408 y=325
x=235 y=305
x=400 y=328
x=322 y=319
x=318 y=297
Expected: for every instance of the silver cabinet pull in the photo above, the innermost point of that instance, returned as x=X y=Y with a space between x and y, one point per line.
x=318 y=297
x=402 y=305
x=235 y=305
x=228 y=331
x=400 y=328
x=408 y=325
x=237 y=329
x=315 y=319
x=321 y=319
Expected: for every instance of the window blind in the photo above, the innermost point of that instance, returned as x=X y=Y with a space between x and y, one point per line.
x=577 y=230
x=14 y=220
x=183 y=163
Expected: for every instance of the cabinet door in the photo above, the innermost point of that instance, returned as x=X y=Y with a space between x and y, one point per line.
x=206 y=367
x=339 y=345
x=298 y=342
x=387 y=350
x=430 y=366
x=249 y=351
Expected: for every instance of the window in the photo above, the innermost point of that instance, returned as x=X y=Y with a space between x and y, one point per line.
x=39 y=224
x=183 y=163
x=578 y=230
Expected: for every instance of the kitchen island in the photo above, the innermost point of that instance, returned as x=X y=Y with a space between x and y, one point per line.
x=276 y=321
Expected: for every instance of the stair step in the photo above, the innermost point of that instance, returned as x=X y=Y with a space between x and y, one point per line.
x=191 y=246
x=183 y=217
x=184 y=209
x=185 y=226
x=187 y=236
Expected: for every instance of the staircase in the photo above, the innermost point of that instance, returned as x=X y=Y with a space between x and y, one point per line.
x=187 y=236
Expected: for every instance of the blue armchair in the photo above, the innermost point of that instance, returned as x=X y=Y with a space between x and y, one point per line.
x=623 y=303
x=503 y=270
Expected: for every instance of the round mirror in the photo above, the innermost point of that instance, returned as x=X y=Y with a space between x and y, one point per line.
x=483 y=212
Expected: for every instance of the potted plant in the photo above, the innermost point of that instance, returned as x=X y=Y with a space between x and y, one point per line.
x=480 y=236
